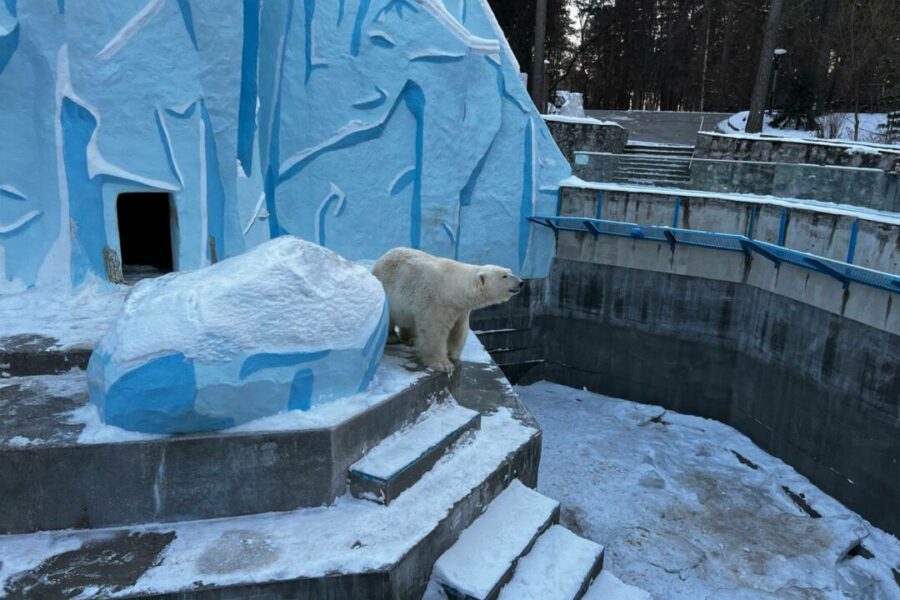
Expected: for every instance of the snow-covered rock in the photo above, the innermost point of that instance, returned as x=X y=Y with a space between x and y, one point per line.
x=287 y=325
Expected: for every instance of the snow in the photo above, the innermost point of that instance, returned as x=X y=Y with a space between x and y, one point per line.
x=682 y=517
x=868 y=131
x=579 y=120
x=609 y=587
x=474 y=351
x=555 y=568
x=350 y=536
x=401 y=449
x=486 y=549
x=75 y=321
x=832 y=208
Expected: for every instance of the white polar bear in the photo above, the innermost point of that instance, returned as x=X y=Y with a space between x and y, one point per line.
x=430 y=299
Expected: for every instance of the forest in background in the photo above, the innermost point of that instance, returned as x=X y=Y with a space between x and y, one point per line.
x=842 y=55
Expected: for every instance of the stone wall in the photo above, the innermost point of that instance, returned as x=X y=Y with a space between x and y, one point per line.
x=786 y=150
x=573 y=134
x=872 y=188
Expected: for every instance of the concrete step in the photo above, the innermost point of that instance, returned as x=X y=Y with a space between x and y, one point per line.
x=628 y=164
x=659 y=150
x=400 y=460
x=655 y=159
x=653 y=171
x=484 y=557
x=62 y=468
x=653 y=176
x=644 y=181
x=561 y=566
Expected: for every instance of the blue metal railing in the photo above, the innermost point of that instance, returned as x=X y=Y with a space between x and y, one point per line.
x=843 y=272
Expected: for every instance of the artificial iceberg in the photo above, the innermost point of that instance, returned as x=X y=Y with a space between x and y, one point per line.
x=287 y=325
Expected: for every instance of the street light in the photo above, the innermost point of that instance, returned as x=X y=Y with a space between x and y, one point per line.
x=777 y=57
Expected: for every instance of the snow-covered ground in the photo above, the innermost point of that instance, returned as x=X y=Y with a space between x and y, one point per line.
x=75 y=320
x=690 y=508
x=869 y=131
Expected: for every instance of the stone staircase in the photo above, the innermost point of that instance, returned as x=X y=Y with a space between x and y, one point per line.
x=661 y=165
x=516 y=550
x=355 y=501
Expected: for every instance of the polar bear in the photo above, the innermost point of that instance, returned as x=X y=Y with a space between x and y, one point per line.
x=430 y=299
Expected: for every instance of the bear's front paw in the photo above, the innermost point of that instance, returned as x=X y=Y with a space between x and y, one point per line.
x=441 y=365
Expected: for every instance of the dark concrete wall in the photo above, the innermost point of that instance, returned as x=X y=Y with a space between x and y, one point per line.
x=872 y=188
x=740 y=147
x=818 y=390
x=592 y=137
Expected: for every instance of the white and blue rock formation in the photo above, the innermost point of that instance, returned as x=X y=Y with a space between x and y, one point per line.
x=287 y=325
x=356 y=124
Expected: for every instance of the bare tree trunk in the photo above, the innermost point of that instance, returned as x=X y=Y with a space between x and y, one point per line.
x=763 y=72
x=706 y=6
x=538 y=94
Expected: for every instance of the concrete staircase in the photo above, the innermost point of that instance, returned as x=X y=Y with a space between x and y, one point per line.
x=400 y=460
x=659 y=165
x=515 y=550
x=260 y=512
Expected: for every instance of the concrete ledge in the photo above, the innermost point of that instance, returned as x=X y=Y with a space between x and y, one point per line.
x=52 y=481
x=23 y=355
x=816 y=228
x=787 y=150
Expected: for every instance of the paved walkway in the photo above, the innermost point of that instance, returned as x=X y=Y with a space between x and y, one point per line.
x=663 y=127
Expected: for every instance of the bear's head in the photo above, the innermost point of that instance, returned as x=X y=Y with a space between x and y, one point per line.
x=496 y=284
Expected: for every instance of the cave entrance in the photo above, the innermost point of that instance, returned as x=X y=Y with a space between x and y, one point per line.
x=146 y=231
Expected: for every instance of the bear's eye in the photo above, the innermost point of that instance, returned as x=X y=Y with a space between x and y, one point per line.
x=505 y=276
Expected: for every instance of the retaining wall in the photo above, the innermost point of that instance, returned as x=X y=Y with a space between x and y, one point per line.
x=786 y=150
x=872 y=188
x=572 y=134
x=808 y=227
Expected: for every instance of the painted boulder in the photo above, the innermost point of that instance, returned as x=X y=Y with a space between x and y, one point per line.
x=286 y=325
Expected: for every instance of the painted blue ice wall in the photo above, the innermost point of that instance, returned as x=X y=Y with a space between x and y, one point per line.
x=358 y=124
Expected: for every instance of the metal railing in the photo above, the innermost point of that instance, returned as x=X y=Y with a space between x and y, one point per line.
x=842 y=271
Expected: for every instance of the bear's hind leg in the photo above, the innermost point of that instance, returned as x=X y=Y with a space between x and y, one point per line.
x=457 y=340
x=431 y=345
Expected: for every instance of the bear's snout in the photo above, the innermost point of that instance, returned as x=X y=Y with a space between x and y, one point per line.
x=517 y=286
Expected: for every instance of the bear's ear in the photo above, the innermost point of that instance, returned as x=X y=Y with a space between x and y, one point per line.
x=482 y=278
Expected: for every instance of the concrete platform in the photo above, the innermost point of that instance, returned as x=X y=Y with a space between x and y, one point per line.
x=350 y=549
x=61 y=468
x=23 y=355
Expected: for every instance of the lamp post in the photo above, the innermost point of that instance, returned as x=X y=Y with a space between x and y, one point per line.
x=777 y=57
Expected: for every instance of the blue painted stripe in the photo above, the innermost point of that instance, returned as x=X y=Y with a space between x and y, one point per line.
x=526 y=205
x=249 y=86
x=751 y=227
x=357 y=26
x=301 y=390
x=782 y=227
x=187 y=16
x=677 y=212
x=851 y=250
x=599 y=211
x=271 y=360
